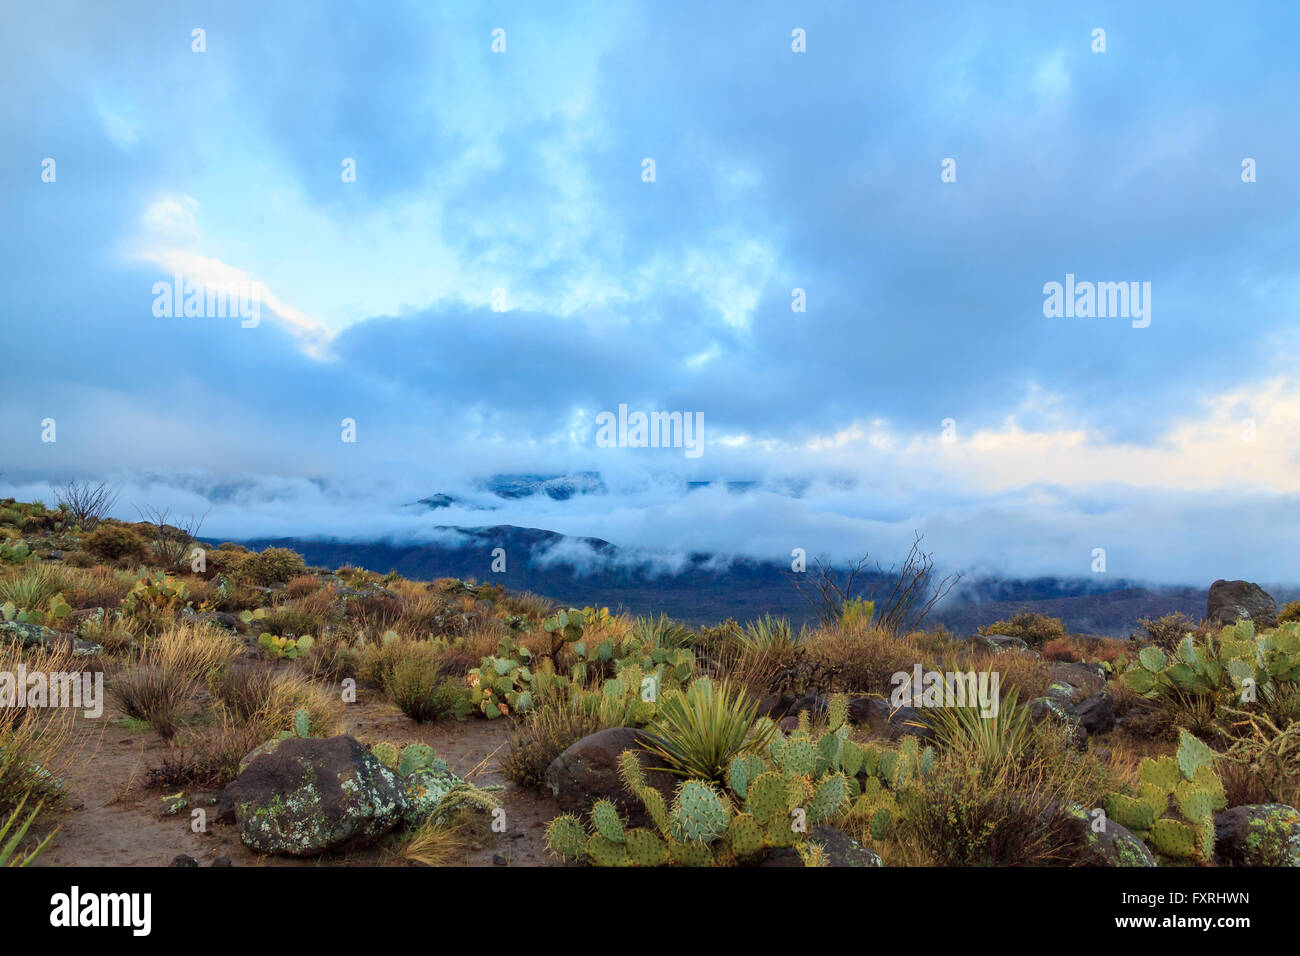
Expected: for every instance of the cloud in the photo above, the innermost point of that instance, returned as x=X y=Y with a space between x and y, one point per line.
x=775 y=171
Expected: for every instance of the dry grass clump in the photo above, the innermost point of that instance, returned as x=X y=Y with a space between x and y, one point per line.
x=107 y=628
x=424 y=691
x=266 y=698
x=35 y=744
x=866 y=656
x=440 y=844
x=543 y=735
x=302 y=586
x=377 y=611
x=160 y=685
x=999 y=812
x=209 y=757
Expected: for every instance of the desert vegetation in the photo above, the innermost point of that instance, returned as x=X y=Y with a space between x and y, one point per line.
x=243 y=673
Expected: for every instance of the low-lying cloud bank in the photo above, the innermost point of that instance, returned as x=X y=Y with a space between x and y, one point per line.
x=1155 y=535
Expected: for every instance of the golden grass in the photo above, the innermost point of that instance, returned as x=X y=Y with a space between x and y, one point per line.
x=36 y=746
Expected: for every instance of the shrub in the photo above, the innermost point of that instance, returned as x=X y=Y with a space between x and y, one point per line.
x=113 y=541
x=302 y=585
x=1061 y=649
x=268 y=699
x=546 y=733
x=272 y=566
x=34 y=744
x=423 y=692
x=170 y=668
x=1034 y=629
x=1003 y=812
x=87 y=504
x=1289 y=612
x=1168 y=631
x=209 y=759
x=290 y=621
x=863 y=658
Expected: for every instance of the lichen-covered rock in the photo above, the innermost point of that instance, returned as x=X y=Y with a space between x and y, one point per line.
x=999 y=643
x=1230 y=601
x=306 y=796
x=1106 y=845
x=34 y=635
x=841 y=851
x=425 y=789
x=1264 y=834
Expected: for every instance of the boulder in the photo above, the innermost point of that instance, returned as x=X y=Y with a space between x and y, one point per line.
x=1056 y=707
x=1097 y=713
x=306 y=796
x=588 y=771
x=34 y=635
x=886 y=721
x=1230 y=601
x=840 y=848
x=1113 y=845
x=998 y=643
x=1073 y=681
x=1266 y=834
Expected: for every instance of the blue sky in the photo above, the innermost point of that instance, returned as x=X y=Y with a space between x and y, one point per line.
x=775 y=170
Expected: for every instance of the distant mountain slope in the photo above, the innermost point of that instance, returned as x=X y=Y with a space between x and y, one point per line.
x=698 y=591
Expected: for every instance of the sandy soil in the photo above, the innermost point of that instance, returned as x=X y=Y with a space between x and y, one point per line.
x=113 y=818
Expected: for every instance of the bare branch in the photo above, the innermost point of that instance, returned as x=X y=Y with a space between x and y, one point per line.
x=88 y=504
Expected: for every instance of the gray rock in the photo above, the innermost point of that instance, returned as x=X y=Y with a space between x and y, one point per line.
x=1097 y=713
x=999 y=643
x=840 y=848
x=886 y=721
x=34 y=635
x=1230 y=601
x=588 y=771
x=1112 y=846
x=308 y=796
x=1265 y=834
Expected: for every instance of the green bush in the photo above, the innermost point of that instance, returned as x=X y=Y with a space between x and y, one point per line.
x=272 y=566
x=1034 y=629
x=424 y=693
x=1166 y=632
x=113 y=541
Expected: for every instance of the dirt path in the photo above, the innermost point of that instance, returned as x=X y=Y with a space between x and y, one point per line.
x=115 y=818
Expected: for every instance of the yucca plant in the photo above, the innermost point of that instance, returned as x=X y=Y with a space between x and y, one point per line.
x=988 y=740
x=8 y=850
x=769 y=634
x=31 y=587
x=662 y=632
x=697 y=732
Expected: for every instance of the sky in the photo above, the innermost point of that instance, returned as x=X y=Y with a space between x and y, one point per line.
x=446 y=219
